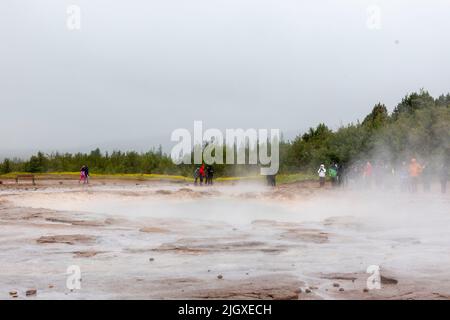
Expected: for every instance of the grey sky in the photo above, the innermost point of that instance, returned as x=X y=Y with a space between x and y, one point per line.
x=139 y=69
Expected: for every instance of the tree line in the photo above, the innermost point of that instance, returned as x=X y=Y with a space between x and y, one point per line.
x=419 y=126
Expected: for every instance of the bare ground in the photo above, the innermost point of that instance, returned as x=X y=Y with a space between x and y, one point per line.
x=183 y=250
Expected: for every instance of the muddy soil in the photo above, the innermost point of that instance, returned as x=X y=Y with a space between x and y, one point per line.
x=152 y=240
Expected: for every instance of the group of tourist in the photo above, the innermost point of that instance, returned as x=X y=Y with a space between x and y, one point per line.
x=334 y=172
x=84 y=174
x=407 y=176
x=204 y=174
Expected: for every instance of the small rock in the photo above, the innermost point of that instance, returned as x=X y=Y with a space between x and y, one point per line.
x=386 y=280
x=307 y=290
x=299 y=291
x=341 y=289
x=209 y=270
x=365 y=290
x=151 y=259
x=336 y=285
x=31 y=292
x=50 y=286
x=12 y=293
x=219 y=276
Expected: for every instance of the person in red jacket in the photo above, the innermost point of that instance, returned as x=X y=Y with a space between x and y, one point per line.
x=367 y=174
x=202 y=173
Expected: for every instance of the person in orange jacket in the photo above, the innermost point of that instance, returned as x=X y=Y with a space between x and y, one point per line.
x=415 y=169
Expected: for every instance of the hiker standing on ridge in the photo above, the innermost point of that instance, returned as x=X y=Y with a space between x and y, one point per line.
x=415 y=169
x=322 y=173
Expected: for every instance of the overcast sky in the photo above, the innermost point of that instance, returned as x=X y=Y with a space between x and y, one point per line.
x=138 y=69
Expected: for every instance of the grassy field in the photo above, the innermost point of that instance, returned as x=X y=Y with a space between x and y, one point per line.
x=281 y=178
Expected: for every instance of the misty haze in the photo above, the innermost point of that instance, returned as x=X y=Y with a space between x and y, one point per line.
x=107 y=191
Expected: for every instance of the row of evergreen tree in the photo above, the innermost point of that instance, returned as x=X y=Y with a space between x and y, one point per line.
x=419 y=126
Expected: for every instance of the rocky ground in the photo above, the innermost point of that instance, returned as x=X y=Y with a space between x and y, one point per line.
x=137 y=240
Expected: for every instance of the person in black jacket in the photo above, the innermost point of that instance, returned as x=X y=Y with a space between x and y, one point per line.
x=86 y=170
x=196 y=175
x=443 y=177
x=209 y=174
x=271 y=180
x=84 y=174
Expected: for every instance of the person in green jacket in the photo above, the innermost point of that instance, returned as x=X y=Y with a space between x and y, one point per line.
x=333 y=173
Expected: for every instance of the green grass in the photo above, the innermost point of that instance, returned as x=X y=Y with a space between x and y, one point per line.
x=76 y=175
x=249 y=178
x=281 y=178
x=295 y=177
